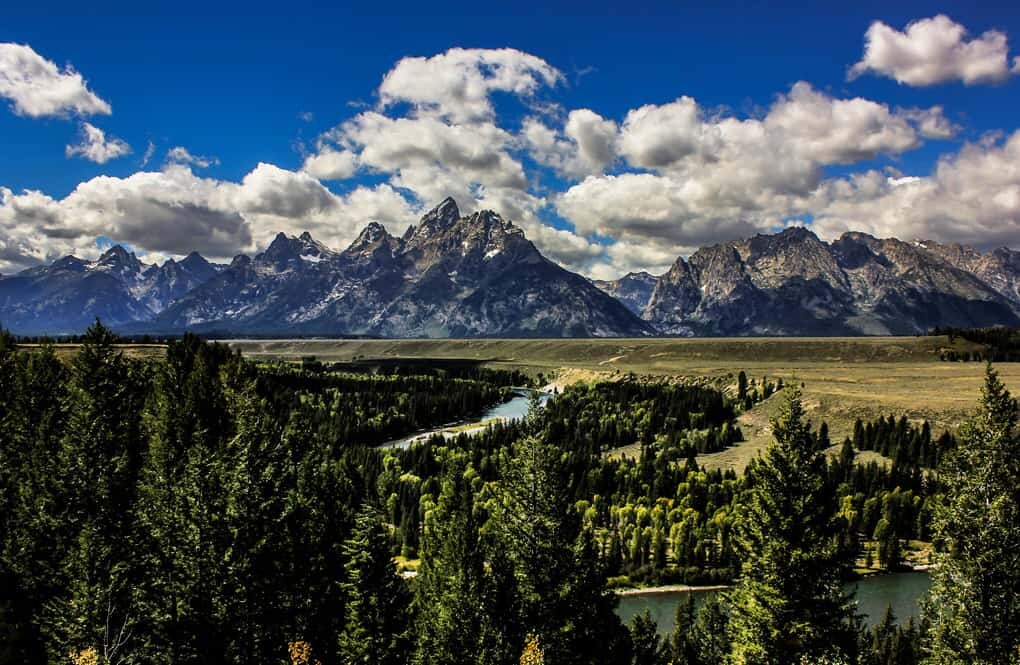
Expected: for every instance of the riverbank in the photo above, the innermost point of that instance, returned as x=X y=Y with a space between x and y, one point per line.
x=515 y=408
x=669 y=588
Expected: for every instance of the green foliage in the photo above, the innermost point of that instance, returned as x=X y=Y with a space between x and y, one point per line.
x=648 y=647
x=975 y=597
x=789 y=603
x=377 y=617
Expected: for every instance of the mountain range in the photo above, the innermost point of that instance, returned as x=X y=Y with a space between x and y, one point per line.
x=479 y=276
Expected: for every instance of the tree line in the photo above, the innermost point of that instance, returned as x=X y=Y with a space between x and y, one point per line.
x=205 y=509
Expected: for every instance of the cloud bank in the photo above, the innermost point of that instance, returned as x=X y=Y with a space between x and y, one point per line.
x=603 y=195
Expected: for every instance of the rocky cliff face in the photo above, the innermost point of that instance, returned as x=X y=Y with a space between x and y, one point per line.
x=478 y=275
x=448 y=276
x=792 y=283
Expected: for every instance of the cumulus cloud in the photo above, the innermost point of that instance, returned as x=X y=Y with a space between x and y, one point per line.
x=934 y=50
x=173 y=211
x=586 y=146
x=95 y=146
x=714 y=177
x=331 y=164
x=457 y=84
x=37 y=88
x=645 y=208
x=971 y=197
x=932 y=123
x=181 y=155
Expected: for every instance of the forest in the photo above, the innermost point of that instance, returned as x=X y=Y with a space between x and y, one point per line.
x=204 y=508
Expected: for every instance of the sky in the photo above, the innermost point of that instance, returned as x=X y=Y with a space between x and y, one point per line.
x=619 y=136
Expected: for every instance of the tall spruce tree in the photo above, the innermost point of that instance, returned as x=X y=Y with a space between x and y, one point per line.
x=564 y=600
x=185 y=413
x=377 y=601
x=99 y=459
x=789 y=605
x=974 y=607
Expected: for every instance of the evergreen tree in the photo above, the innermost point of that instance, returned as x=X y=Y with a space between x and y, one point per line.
x=376 y=599
x=974 y=606
x=682 y=644
x=710 y=634
x=99 y=459
x=448 y=610
x=789 y=604
x=648 y=648
x=564 y=600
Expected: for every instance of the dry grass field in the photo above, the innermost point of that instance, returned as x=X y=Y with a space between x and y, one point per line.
x=844 y=378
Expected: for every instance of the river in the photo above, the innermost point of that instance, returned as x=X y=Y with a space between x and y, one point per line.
x=901 y=590
x=516 y=408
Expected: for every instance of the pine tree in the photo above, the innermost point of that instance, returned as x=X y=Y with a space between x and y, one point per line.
x=710 y=634
x=789 y=602
x=376 y=599
x=99 y=458
x=564 y=600
x=974 y=605
x=648 y=647
x=682 y=644
x=448 y=608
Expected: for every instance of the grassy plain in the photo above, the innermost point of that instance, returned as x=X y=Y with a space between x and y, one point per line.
x=844 y=378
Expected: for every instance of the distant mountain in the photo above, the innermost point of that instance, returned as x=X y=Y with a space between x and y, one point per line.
x=633 y=289
x=479 y=276
x=69 y=294
x=792 y=283
x=448 y=276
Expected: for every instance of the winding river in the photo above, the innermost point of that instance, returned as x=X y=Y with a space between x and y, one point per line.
x=903 y=591
x=515 y=408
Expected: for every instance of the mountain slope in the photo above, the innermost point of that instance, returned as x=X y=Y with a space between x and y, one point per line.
x=479 y=276
x=792 y=283
x=448 y=276
x=69 y=294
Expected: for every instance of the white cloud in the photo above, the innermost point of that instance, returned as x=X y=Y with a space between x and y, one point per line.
x=36 y=87
x=474 y=151
x=932 y=123
x=150 y=150
x=457 y=84
x=972 y=197
x=331 y=164
x=173 y=211
x=644 y=208
x=837 y=131
x=931 y=51
x=181 y=155
x=586 y=147
x=717 y=177
x=96 y=146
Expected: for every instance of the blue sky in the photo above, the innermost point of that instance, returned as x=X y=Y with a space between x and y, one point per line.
x=242 y=85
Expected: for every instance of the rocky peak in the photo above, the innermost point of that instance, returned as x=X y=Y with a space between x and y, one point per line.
x=194 y=261
x=289 y=252
x=240 y=261
x=371 y=236
x=794 y=253
x=70 y=262
x=633 y=289
x=437 y=220
x=119 y=262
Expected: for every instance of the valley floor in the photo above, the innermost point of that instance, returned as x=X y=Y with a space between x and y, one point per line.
x=844 y=378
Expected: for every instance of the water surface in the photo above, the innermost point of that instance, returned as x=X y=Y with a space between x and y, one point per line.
x=901 y=590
